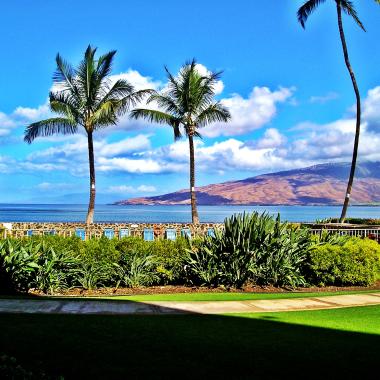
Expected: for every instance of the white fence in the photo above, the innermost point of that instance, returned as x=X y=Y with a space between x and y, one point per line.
x=373 y=233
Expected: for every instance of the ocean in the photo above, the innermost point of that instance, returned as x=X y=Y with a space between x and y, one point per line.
x=180 y=214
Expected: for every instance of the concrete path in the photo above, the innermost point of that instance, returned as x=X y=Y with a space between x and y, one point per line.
x=79 y=306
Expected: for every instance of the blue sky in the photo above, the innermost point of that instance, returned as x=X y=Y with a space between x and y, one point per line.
x=288 y=91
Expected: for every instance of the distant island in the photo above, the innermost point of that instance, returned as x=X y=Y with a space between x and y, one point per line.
x=322 y=185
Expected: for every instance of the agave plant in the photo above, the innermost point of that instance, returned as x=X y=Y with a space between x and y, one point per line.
x=139 y=270
x=94 y=274
x=251 y=247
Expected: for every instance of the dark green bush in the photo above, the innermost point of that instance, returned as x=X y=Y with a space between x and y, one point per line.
x=168 y=255
x=356 y=262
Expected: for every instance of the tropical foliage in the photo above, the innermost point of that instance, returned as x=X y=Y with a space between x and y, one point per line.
x=252 y=247
x=187 y=104
x=348 y=8
x=86 y=98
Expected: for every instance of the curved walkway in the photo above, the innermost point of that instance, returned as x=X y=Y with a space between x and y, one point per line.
x=80 y=306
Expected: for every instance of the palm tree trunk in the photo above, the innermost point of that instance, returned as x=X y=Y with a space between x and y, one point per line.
x=91 y=204
x=358 y=115
x=194 y=211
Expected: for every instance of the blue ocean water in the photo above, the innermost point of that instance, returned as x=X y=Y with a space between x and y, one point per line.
x=181 y=214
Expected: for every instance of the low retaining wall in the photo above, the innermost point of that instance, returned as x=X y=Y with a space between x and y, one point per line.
x=117 y=230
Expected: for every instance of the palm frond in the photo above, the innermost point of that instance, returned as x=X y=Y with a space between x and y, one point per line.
x=349 y=8
x=86 y=77
x=307 y=9
x=214 y=113
x=131 y=100
x=104 y=66
x=65 y=104
x=49 y=127
x=64 y=72
x=104 y=115
x=152 y=116
x=174 y=88
x=164 y=101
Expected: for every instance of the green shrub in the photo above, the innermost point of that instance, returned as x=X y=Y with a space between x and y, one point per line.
x=253 y=247
x=18 y=264
x=102 y=249
x=58 y=243
x=57 y=270
x=356 y=262
x=168 y=255
x=93 y=274
x=139 y=269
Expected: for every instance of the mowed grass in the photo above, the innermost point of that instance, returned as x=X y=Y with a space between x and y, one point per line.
x=232 y=296
x=194 y=297
x=338 y=343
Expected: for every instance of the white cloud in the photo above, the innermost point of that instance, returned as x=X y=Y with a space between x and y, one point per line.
x=137 y=166
x=48 y=186
x=324 y=98
x=272 y=139
x=32 y=114
x=138 y=81
x=249 y=113
x=124 y=189
x=371 y=109
x=6 y=124
x=128 y=145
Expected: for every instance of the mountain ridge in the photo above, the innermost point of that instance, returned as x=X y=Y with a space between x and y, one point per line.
x=323 y=184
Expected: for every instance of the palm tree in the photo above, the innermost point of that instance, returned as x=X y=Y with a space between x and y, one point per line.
x=188 y=103
x=347 y=7
x=86 y=98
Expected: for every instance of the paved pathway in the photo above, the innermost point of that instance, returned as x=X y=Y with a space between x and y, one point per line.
x=66 y=306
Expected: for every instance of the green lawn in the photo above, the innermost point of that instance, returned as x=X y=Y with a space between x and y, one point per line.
x=339 y=343
x=231 y=296
x=226 y=296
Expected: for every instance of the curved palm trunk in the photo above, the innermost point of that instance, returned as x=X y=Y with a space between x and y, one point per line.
x=194 y=211
x=91 y=204
x=358 y=115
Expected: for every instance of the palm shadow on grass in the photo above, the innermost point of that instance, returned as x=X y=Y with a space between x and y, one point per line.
x=185 y=346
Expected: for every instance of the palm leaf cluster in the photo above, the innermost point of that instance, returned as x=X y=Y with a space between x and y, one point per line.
x=188 y=102
x=86 y=97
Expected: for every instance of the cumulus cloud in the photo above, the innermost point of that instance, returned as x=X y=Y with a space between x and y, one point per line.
x=249 y=113
x=128 y=145
x=32 y=114
x=371 y=109
x=272 y=139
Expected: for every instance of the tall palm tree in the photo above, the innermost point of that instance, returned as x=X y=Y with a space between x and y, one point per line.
x=86 y=98
x=347 y=7
x=187 y=103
